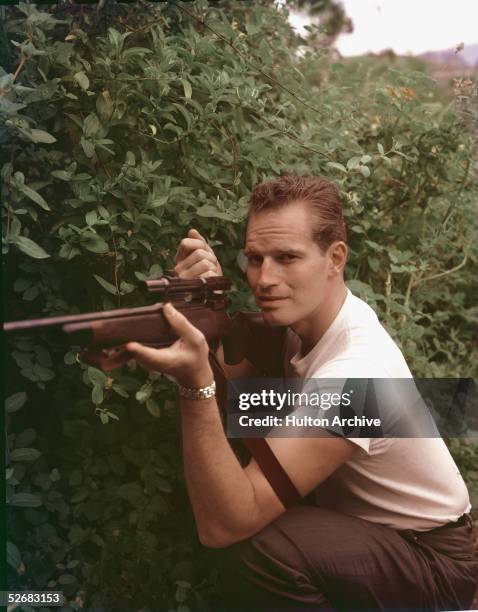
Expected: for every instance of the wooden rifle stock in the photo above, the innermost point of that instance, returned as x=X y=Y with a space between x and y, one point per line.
x=103 y=334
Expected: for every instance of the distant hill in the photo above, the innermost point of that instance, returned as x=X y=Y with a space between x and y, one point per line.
x=467 y=57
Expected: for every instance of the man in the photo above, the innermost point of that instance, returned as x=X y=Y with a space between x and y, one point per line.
x=389 y=527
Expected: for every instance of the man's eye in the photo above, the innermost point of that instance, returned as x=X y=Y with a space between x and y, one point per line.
x=254 y=260
x=287 y=257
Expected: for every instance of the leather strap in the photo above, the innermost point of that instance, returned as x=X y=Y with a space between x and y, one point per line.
x=277 y=477
x=260 y=450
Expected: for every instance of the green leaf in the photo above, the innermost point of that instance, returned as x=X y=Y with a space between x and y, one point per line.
x=187 y=88
x=25 y=438
x=94 y=243
x=24 y=500
x=136 y=51
x=42 y=136
x=91 y=125
x=144 y=393
x=97 y=377
x=374 y=245
x=336 y=166
x=14 y=559
x=374 y=263
x=104 y=105
x=35 y=196
x=153 y=408
x=209 y=211
x=55 y=475
x=131 y=491
x=126 y=288
x=70 y=358
x=62 y=175
x=15 y=401
x=21 y=284
x=82 y=80
x=97 y=397
x=88 y=147
x=91 y=217
x=27 y=246
x=120 y=391
x=24 y=454
x=67 y=579
x=106 y=285
x=353 y=163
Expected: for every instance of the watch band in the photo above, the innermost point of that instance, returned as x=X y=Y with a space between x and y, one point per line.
x=197 y=394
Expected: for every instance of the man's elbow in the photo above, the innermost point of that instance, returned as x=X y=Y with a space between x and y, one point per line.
x=215 y=537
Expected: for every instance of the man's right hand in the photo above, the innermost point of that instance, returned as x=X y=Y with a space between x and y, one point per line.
x=195 y=258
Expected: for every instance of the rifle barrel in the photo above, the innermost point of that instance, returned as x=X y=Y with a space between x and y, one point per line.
x=176 y=289
x=79 y=318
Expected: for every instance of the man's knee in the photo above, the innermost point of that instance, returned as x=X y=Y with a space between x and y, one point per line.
x=268 y=568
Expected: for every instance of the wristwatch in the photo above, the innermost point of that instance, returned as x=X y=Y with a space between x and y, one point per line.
x=197 y=394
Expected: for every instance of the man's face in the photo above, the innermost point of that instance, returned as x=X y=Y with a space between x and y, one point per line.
x=288 y=273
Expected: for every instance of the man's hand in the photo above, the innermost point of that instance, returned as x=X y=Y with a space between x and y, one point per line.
x=186 y=360
x=195 y=258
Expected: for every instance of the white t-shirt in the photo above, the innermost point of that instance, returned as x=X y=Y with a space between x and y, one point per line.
x=404 y=483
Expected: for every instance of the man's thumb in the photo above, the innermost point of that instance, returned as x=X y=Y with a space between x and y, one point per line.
x=193 y=233
x=180 y=323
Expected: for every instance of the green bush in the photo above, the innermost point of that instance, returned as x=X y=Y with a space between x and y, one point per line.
x=125 y=126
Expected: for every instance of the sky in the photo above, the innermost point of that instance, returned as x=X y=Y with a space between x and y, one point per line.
x=406 y=26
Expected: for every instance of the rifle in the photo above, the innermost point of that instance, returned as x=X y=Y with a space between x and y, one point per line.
x=102 y=335
x=245 y=335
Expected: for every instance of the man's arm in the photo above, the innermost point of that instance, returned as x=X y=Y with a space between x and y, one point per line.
x=231 y=503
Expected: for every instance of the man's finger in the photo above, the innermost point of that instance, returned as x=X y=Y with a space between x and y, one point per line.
x=198 y=269
x=193 y=233
x=180 y=324
x=208 y=274
x=184 y=267
x=150 y=358
x=186 y=247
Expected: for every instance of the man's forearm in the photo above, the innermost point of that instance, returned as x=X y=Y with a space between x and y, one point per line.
x=221 y=494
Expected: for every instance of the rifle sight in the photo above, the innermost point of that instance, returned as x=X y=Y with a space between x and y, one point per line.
x=170 y=286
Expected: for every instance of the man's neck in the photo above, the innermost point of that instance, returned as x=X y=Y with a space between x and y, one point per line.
x=311 y=330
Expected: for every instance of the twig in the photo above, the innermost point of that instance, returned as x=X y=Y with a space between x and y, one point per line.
x=23 y=59
x=446 y=272
x=115 y=270
x=388 y=291
x=460 y=189
x=411 y=283
x=234 y=154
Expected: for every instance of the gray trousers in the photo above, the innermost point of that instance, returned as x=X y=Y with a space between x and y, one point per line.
x=311 y=558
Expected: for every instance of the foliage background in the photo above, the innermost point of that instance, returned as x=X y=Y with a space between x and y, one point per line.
x=126 y=124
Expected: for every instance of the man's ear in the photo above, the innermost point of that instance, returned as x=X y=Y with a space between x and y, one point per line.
x=337 y=253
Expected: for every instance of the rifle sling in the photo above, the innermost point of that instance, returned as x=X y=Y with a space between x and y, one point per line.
x=260 y=450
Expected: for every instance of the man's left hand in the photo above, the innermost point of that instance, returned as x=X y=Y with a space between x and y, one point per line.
x=186 y=360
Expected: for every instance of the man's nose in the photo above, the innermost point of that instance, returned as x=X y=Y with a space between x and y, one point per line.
x=267 y=275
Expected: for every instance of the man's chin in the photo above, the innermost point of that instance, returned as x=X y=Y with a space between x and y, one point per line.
x=275 y=318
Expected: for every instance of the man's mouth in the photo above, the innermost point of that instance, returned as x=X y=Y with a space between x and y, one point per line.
x=267 y=301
